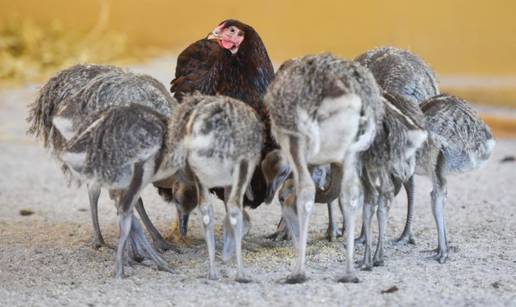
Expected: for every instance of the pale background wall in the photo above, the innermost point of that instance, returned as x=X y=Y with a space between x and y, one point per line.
x=458 y=37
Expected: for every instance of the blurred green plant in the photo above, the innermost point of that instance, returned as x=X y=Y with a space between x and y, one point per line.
x=32 y=51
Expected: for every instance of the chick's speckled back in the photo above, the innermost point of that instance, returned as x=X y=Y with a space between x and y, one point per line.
x=304 y=83
x=56 y=91
x=232 y=127
x=401 y=72
x=115 y=139
x=114 y=89
x=463 y=137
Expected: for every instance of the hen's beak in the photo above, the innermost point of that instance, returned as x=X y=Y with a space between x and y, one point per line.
x=214 y=35
x=276 y=184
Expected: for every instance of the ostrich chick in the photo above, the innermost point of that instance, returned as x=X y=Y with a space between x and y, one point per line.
x=390 y=161
x=219 y=139
x=323 y=110
x=401 y=72
x=111 y=89
x=119 y=149
x=404 y=74
x=459 y=142
x=51 y=97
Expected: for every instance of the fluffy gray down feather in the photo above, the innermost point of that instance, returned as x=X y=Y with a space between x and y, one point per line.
x=304 y=83
x=457 y=130
x=401 y=72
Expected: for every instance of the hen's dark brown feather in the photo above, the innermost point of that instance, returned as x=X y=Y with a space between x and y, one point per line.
x=206 y=67
x=197 y=69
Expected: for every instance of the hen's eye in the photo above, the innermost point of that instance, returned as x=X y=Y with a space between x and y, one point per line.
x=232 y=30
x=240 y=33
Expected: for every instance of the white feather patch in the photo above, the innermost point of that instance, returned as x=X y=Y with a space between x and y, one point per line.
x=64 y=126
x=206 y=219
x=417 y=138
x=365 y=140
x=75 y=160
x=334 y=129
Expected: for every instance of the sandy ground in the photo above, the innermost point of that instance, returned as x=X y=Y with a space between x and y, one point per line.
x=47 y=258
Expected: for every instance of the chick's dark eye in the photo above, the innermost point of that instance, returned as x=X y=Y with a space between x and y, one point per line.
x=241 y=34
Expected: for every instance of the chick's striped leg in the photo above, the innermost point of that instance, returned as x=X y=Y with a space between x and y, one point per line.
x=159 y=242
x=128 y=225
x=367 y=263
x=382 y=216
x=93 y=195
x=234 y=223
x=125 y=203
x=362 y=237
x=138 y=236
x=124 y=222
x=351 y=199
x=439 y=195
x=407 y=236
x=208 y=223
x=331 y=232
x=305 y=188
x=136 y=252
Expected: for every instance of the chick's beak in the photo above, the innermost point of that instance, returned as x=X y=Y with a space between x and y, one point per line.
x=183 y=223
x=276 y=184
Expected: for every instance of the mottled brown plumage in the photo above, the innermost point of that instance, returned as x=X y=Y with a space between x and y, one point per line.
x=206 y=67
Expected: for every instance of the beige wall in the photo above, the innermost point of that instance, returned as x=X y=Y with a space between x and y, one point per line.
x=455 y=36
